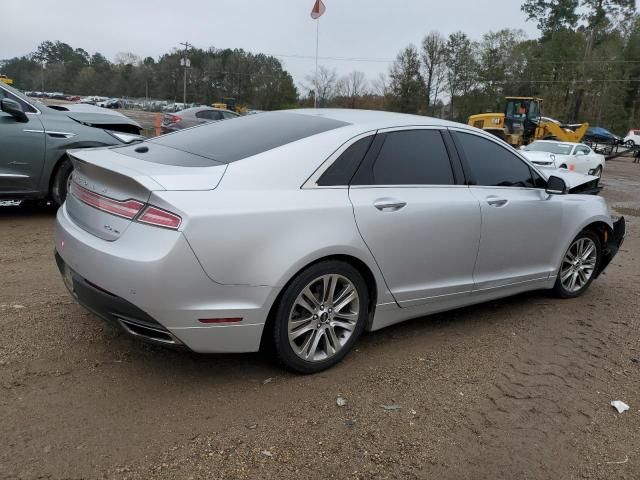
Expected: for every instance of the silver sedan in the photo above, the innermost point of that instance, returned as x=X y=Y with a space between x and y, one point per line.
x=301 y=229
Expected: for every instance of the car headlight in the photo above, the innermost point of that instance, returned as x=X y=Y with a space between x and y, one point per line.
x=126 y=137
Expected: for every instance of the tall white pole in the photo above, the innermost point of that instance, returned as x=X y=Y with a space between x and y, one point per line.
x=315 y=97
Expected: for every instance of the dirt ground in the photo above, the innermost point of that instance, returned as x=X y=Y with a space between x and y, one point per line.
x=514 y=389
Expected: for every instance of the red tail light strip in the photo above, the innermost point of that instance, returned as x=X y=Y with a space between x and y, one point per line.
x=129 y=209
x=160 y=218
x=126 y=208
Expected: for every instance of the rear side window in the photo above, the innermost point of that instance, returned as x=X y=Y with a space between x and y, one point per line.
x=413 y=157
x=343 y=169
x=493 y=165
x=209 y=115
x=227 y=142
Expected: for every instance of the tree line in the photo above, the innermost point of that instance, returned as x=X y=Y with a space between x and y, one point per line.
x=253 y=79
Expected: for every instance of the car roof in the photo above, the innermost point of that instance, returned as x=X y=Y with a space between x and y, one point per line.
x=374 y=119
x=202 y=109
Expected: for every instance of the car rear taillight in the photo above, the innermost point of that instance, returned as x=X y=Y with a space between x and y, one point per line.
x=121 y=208
x=159 y=218
x=171 y=119
x=129 y=209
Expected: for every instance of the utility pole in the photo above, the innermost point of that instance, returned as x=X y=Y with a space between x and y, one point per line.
x=186 y=63
x=44 y=65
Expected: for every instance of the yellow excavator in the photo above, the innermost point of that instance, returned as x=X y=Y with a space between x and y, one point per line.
x=522 y=123
x=5 y=79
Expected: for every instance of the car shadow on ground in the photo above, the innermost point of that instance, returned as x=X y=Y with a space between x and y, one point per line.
x=431 y=330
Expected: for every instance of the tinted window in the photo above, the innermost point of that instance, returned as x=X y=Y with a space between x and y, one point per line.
x=341 y=171
x=228 y=115
x=413 y=157
x=493 y=165
x=246 y=136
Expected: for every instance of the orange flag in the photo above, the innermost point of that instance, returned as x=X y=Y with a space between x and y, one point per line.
x=318 y=10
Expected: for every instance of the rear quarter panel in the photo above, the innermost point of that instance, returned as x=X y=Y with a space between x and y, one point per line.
x=259 y=227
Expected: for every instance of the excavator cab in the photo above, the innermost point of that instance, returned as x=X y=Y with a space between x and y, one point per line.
x=522 y=117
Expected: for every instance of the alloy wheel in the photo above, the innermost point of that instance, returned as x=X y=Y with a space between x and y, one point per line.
x=579 y=264
x=323 y=317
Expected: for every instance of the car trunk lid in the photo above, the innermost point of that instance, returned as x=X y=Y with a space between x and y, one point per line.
x=109 y=184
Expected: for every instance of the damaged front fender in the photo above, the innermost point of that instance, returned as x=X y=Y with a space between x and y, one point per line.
x=612 y=244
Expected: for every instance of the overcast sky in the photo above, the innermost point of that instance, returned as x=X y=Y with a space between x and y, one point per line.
x=363 y=29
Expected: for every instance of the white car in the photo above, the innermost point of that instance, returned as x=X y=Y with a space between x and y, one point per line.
x=576 y=157
x=632 y=138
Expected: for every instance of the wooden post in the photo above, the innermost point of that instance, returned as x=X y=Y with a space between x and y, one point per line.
x=158 y=124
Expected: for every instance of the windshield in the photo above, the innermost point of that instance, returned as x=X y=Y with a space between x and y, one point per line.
x=557 y=148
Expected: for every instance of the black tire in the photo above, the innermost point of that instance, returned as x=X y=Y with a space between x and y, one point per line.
x=283 y=349
x=630 y=143
x=598 y=172
x=60 y=184
x=559 y=289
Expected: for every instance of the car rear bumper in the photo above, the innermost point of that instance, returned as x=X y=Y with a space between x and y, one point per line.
x=613 y=244
x=149 y=283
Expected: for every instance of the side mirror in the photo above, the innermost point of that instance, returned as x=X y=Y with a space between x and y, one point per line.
x=556 y=186
x=14 y=109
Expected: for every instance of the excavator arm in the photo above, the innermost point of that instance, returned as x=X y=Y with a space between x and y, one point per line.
x=549 y=130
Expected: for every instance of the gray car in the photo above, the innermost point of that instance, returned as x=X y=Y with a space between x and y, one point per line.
x=301 y=229
x=34 y=139
x=192 y=117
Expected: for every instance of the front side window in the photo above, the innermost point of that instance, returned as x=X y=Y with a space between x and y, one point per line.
x=25 y=106
x=493 y=165
x=413 y=157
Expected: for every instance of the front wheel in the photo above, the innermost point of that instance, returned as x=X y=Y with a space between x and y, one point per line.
x=598 y=172
x=630 y=143
x=61 y=182
x=322 y=313
x=579 y=265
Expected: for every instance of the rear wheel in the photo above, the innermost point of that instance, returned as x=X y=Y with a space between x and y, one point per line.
x=61 y=181
x=579 y=265
x=322 y=313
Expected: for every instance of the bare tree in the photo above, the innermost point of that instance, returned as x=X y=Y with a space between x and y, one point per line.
x=127 y=58
x=433 y=60
x=351 y=87
x=323 y=85
x=381 y=85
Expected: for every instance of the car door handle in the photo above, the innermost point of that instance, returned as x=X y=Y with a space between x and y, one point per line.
x=389 y=204
x=497 y=201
